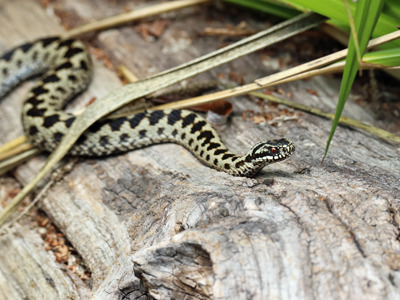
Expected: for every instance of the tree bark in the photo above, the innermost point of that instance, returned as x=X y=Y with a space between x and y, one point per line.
x=155 y=223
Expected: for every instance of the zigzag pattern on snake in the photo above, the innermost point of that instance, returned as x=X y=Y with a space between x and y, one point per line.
x=66 y=66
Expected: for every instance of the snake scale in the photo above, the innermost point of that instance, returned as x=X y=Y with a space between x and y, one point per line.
x=67 y=67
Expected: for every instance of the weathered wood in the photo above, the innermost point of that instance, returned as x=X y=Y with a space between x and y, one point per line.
x=157 y=223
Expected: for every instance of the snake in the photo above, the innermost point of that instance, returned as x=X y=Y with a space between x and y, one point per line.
x=65 y=69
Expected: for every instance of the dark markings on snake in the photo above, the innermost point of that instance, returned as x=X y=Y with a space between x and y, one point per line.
x=174 y=116
x=156 y=116
x=35 y=55
x=213 y=146
x=67 y=43
x=66 y=65
x=190 y=142
x=234 y=158
x=84 y=65
x=4 y=71
x=116 y=124
x=35 y=112
x=33 y=130
x=123 y=137
x=226 y=156
x=50 y=120
x=7 y=56
x=258 y=155
x=248 y=158
x=19 y=63
x=95 y=127
x=47 y=41
x=34 y=101
x=174 y=133
x=104 y=140
x=183 y=136
x=26 y=47
x=91 y=148
x=81 y=139
x=227 y=166
x=72 y=78
x=198 y=126
x=142 y=133
x=220 y=151
x=42 y=144
x=46 y=56
x=208 y=157
x=201 y=153
x=72 y=51
x=61 y=90
x=256 y=148
x=69 y=122
x=51 y=78
x=58 y=136
x=239 y=164
x=188 y=120
x=136 y=119
x=39 y=90
x=160 y=131
x=215 y=161
x=196 y=148
x=54 y=97
x=206 y=135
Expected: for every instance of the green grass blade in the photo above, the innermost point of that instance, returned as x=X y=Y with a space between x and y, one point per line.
x=335 y=10
x=366 y=15
x=385 y=58
x=268 y=6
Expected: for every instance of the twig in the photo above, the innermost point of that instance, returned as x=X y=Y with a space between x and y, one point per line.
x=132 y=16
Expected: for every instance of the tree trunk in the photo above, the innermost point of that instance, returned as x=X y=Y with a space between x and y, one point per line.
x=156 y=223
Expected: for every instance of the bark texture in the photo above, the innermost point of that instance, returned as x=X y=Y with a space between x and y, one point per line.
x=155 y=223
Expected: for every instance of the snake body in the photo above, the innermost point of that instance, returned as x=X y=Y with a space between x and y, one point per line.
x=67 y=66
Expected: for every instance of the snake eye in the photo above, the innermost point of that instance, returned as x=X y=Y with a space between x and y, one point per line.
x=273 y=150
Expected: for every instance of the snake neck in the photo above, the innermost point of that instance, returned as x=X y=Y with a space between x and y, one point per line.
x=236 y=165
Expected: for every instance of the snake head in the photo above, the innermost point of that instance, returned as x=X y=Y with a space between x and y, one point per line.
x=270 y=151
x=265 y=153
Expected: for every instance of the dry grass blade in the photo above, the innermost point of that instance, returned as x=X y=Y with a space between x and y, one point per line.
x=14 y=153
x=11 y=145
x=132 y=16
x=343 y=120
x=16 y=160
x=336 y=67
x=15 y=150
x=302 y=71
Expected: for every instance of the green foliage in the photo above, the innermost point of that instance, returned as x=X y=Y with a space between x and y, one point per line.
x=366 y=16
x=268 y=6
x=384 y=58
